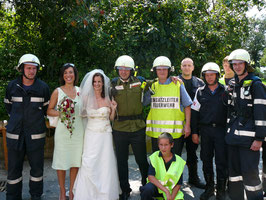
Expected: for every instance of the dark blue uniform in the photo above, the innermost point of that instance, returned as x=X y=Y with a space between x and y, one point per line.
x=209 y=121
x=26 y=129
x=264 y=167
x=191 y=86
x=246 y=123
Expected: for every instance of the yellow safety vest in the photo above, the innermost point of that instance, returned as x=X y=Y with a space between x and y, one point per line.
x=165 y=114
x=168 y=178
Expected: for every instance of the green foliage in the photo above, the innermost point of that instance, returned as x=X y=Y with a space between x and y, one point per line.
x=263 y=58
x=92 y=34
x=256 y=41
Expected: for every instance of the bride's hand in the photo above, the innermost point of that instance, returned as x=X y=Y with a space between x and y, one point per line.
x=113 y=104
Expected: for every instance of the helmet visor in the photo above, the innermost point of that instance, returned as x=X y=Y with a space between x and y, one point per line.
x=162 y=67
x=237 y=61
x=30 y=63
x=210 y=72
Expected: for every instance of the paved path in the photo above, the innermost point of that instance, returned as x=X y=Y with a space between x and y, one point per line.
x=51 y=187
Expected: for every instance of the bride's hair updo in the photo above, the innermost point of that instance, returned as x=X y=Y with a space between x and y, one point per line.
x=99 y=74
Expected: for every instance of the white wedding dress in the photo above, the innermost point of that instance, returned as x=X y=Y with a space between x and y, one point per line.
x=97 y=178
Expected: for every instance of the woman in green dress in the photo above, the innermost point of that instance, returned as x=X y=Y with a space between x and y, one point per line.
x=65 y=103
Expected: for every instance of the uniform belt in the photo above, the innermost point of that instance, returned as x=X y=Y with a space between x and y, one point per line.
x=131 y=117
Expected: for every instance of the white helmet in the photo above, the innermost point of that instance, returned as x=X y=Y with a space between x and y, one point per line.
x=28 y=58
x=162 y=61
x=239 y=54
x=125 y=61
x=210 y=66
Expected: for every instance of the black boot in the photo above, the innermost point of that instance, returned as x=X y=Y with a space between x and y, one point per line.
x=221 y=186
x=193 y=176
x=209 y=190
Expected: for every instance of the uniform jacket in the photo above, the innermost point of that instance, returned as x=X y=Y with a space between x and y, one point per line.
x=26 y=125
x=196 y=83
x=128 y=96
x=208 y=109
x=247 y=111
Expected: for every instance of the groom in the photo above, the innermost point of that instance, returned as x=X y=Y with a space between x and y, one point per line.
x=129 y=126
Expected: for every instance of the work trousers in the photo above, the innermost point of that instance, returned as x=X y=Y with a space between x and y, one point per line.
x=149 y=191
x=213 y=144
x=137 y=140
x=191 y=149
x=244 y=173
x=15 y=168
x=264 y=166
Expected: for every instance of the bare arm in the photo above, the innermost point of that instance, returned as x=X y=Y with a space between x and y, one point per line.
x=175 y=191
x=187 y=125
x=53 y=101
x=113 y=110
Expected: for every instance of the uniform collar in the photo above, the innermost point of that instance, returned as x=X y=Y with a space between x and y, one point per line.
x=167 y=82
x=34 y=87
x=248 y=77
x=173 y=158
x=130 y=79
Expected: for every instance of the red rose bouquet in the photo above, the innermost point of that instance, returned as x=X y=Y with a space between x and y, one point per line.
x=67 y=113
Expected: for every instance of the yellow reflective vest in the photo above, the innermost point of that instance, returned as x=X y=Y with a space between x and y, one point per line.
x=168 y=178
x=165 y=114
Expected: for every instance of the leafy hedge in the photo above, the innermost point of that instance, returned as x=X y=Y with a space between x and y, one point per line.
x=92 y=34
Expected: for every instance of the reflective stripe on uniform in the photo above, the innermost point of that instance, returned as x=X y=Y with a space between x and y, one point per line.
x=7 y=101
x=260 y=123
x=38 y=136
x=253 y=188
x=168 y=130
x=12 y=136
x=260 y=101
x=16 y=99
x=250 y=105
x=14 y=181
x=37 y=99
x=228 y=130
x=235 y=178
x=228 y=120
x=164 y=122
x=173 y=183
x=36 y=179
x=245 y=133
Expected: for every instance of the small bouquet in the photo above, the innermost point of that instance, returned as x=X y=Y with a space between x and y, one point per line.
x=67 y=113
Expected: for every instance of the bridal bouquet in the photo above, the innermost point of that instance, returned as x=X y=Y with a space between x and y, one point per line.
x=67 y=113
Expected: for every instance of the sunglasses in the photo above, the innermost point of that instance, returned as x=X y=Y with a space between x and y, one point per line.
x=69 y=64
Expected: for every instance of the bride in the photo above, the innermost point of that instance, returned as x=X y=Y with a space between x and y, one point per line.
x=97 y=178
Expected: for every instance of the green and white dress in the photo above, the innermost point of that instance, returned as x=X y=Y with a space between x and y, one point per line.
x=68 y=150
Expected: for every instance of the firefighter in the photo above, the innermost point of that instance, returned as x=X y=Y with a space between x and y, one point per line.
x=246 y=128
x=129 y=125
x=192 y=83
x=209 y=121
x=26 y=102
x=170 y=107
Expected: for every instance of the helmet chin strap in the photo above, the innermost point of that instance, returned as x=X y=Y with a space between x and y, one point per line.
x=245 y=70
x=23 y=74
